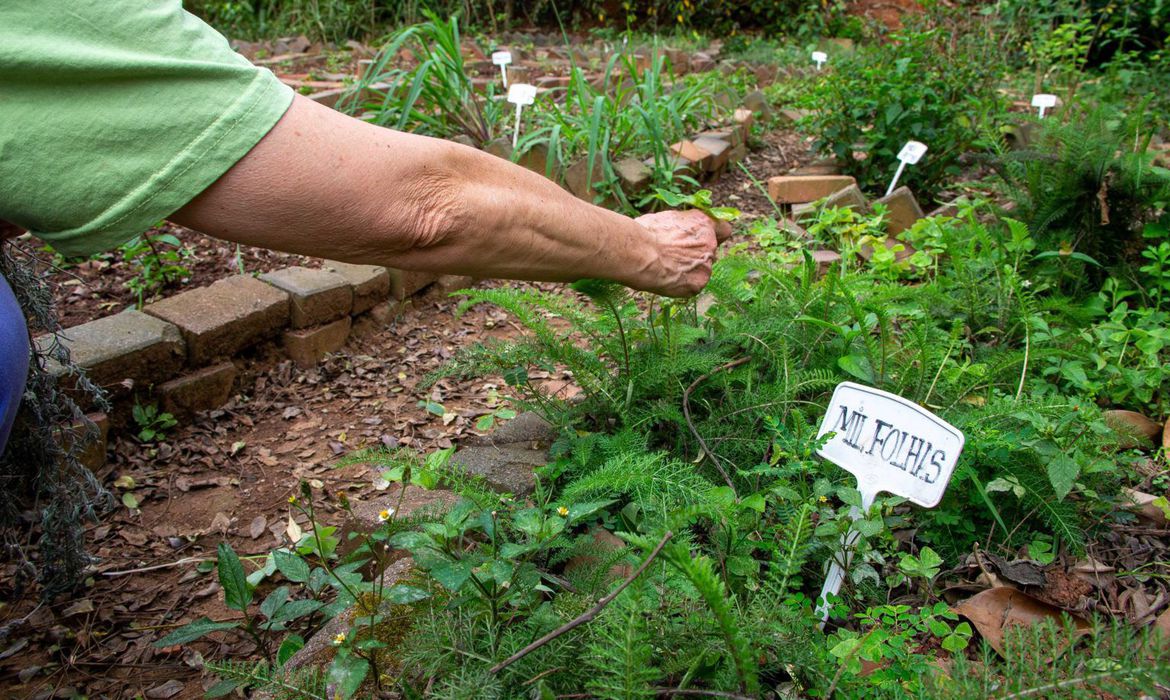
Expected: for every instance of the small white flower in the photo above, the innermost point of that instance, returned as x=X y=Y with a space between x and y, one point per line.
x=385 y=515
x=339 y=639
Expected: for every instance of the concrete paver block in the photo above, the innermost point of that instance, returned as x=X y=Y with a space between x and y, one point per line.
x=794 y=189
x=128 y=346
x=904 y=210
x=371 y=283
x=306 y=346
x=317 y=295
x=407 y=283
x=224 y=317
x=201 y=390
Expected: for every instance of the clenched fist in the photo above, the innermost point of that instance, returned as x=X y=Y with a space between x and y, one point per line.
x=684 y=244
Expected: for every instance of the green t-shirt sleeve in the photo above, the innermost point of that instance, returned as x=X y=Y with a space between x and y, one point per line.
x=116 y=113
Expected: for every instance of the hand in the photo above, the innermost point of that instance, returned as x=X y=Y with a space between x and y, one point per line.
x=685 y=243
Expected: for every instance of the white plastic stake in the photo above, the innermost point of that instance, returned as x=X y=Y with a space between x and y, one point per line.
x=502 y=59
x=1043 y=102
x=910 y=154
x=819 y=58
x=891 y=445
x=520 y=94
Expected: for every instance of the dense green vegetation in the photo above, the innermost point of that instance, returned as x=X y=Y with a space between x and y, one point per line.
x=1020 y=319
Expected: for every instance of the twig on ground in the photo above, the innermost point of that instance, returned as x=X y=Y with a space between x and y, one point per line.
x=586 y=616
x=694 y=431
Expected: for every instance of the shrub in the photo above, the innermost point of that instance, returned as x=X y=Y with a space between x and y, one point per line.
x=920 y=86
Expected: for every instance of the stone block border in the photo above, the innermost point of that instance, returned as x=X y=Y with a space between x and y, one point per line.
x=179 y=352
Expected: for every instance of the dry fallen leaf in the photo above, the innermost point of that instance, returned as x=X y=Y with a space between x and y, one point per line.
x=257 y=527
x=221 y=523
x=1146 y=507
x=1162 y=625
x=293 y=530
x=994 y=610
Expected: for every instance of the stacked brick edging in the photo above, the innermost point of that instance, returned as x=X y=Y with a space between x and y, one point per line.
x=179 y=351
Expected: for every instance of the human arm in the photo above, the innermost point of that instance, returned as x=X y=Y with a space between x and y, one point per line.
x=324 y=184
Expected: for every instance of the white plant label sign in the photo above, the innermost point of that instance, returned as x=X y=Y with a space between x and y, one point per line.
x=502 y=59
x=1043 y=102
x=910 y=154
x=819 y=58
x=520 y=94
x=891 y=445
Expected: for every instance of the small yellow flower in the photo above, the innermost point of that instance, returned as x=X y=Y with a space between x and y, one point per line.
x=563 y=512
x=292 y=499
x=339 y=639
x=823 y=499
x=385 y=515
x=680 y=19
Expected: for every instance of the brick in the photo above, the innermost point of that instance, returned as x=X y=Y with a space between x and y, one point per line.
x=225 y=317
x=719 y=149
x=634 y=175
x=850 y=197
x=791 y=116
x=678 y=164
x=690 y=151
x=306 y=346
x=824 y=166
x=744 y=118
x=680 y=61
x=737 y=153
x=904 y=210
x=317 y=295
x=384 y=314
x=757 y=102
x=499 y=147
x=370 y=283
x=407 y=283
x=825 y=260
x=128 y=346
x=536 y=160
x=793 y=189
x=579 y=179
x=201 y=390
x=701 y=62
x=449 y=284
x=464 y=140
x=731 y=134
x=92 y=452
x=950 y=209
x=765 y=74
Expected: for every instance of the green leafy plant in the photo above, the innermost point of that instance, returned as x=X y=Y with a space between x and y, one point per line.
x=158 y=259
x=153 y=424
x=921 y=86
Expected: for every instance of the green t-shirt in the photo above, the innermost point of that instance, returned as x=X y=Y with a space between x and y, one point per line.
x=116 y=113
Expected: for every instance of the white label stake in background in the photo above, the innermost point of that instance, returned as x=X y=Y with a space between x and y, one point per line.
x=819 y=58
x=502 y=59
x=910 y=154
x=891 y=445
x=1043 y=102
x=520 y=94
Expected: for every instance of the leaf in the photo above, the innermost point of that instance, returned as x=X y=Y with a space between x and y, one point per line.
x=1062 y=474
x=290 y=646
x=124 y=482
x=293 y=567
x=221 y=688
x=236 y=592
x=194 y=630
x=130 y=500
x=293 y=530
x=274 y=601
x=857 y=366
x=346 y=674
x=296 y=609
x=452 y=576
x=994 y=610
x=402 y=594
